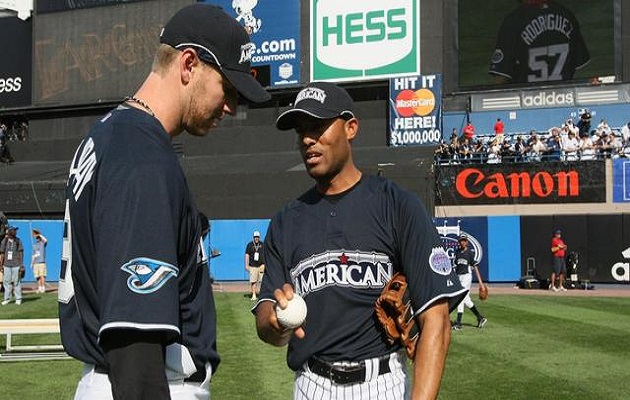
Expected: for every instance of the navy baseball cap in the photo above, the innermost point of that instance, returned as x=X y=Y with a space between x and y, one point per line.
x=321 y=100
x=557 y=231
x=463 y=236
x=12 y=228
x=218 y=39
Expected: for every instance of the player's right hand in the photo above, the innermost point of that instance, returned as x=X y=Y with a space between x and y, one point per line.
x=282 y=300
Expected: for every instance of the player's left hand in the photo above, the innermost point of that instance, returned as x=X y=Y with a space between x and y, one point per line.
x=483 y=292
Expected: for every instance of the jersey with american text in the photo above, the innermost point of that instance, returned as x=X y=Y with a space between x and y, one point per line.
x=339 y=251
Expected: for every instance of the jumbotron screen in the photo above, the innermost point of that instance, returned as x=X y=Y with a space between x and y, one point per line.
x=535 y=42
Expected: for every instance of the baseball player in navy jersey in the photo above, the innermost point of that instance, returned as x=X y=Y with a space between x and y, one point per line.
x=540 y=41
x=135 y=301
x=337 y=246
x=464 y=261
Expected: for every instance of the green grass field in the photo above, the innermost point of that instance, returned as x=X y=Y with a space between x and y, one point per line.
x=534 y=347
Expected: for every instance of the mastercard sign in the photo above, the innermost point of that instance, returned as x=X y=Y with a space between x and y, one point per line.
x=415 y=110
x=420 y=102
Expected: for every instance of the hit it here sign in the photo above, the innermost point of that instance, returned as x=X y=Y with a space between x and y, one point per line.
x=354 y=40
x=415 y=112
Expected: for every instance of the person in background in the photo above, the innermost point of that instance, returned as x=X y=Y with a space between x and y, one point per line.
x=559 y=267
x=255 y=263
x=464 y=264
x=469 y=131
x=584 y=124
x=499 y=130
x=38 y=260
x=11 y=262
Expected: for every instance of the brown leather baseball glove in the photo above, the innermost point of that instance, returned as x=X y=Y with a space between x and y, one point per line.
x=483 y=292
x=393 y=310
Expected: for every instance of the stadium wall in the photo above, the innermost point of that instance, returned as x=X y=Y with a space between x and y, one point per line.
x=506 y=247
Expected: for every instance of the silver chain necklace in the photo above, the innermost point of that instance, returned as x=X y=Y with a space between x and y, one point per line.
x=142 y=103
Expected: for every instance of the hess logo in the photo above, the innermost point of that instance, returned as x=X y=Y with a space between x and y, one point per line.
x=369 y=33
x=10 y=84
x=420 y=102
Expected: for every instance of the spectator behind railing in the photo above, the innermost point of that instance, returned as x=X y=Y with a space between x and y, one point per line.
x=570 y=146
x=584 y=124
x=587 y=149
x=5 y=154
x=535 y=147
x=560 y=144
x=554 y=147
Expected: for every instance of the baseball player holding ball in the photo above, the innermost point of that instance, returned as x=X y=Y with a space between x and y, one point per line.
x=337 y=246
x=540 y=41
x=135 y=300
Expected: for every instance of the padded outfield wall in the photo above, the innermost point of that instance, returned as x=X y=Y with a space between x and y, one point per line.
x=504 y=245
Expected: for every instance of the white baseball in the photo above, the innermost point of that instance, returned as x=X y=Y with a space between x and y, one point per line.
x=295 y=313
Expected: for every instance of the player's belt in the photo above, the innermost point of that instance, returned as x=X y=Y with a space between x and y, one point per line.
x=198 y=376
x=345 y=375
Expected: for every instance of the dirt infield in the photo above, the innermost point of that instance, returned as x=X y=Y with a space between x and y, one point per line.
x=601 y=290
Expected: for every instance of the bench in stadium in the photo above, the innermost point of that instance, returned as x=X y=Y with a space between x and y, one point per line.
x=11 y=327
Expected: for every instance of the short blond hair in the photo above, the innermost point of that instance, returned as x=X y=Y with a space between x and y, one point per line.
x=164 y=57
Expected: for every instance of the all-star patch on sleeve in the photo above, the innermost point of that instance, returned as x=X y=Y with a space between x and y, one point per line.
x=422 y=258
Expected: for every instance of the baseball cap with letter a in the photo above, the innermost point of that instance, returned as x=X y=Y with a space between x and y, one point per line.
x=322 y=100
x=218 y=39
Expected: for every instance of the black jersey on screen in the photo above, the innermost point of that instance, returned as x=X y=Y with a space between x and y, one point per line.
x=132 y=255
x=539 y=44
x=339 y=251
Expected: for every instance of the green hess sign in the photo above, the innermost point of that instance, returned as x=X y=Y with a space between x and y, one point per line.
x=364 y=39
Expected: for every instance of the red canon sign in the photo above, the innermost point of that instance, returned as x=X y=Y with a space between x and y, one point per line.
x=472 y=183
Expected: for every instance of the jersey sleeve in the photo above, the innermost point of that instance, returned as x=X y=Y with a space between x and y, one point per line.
x=504 y=54
x=137 y=240
x=581 y=55
x=429 y=271
x=276 y=270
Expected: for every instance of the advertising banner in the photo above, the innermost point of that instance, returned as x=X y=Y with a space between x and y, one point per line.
x=96 y=54
x=274 y=28
x=550 y=98
x=364 y=40
x=48 y=6
x=476 y=228
x=523 y=183
x=415 y=111
x=621 y=180
x=15 y=68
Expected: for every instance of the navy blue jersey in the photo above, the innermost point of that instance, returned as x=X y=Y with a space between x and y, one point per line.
x=133 y=256
x=539 y=44
x=339 y=252
x=464 y=260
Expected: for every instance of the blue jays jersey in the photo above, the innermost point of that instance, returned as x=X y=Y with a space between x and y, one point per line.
x=339 y=251
x=132 y=251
